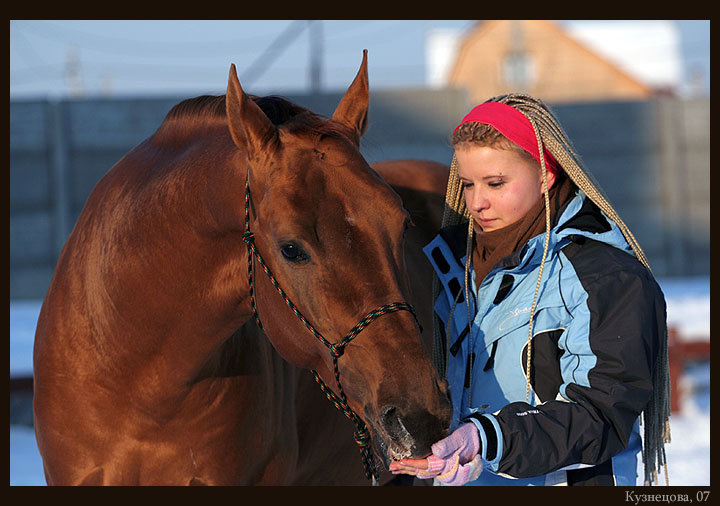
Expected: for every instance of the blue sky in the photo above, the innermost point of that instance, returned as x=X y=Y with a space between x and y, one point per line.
x=54 y=58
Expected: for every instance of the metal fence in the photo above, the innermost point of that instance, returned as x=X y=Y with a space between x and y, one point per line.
x=652 y=159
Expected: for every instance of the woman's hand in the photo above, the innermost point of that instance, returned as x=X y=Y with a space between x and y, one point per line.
x=409 y=466
x=454 y=460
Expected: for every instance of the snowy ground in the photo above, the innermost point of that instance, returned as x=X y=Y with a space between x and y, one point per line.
x=688 y=454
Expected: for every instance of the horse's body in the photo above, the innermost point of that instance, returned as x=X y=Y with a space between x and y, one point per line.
x=149 y=368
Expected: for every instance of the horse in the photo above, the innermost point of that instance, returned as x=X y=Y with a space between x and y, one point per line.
x=195 y=330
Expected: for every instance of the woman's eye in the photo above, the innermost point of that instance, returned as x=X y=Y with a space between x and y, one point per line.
x=294 y=253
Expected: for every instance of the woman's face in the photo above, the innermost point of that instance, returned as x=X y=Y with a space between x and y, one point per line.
x=500 y=185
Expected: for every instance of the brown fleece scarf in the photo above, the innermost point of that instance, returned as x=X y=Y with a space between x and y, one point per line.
x=491 y=247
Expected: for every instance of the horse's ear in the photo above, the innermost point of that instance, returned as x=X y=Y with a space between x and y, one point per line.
x=250 y=128
x=352 y=110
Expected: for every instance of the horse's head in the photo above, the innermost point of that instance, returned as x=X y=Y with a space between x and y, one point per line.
x=331 y=231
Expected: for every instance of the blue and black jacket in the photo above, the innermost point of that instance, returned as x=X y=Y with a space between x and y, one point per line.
x=597 y=326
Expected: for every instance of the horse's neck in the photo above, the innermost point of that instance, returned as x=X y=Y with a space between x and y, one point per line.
x=173 y=268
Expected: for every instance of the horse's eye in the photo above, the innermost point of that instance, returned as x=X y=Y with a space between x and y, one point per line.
x=294 y=253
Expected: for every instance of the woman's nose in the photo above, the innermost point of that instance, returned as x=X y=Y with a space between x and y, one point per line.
x=478 y=201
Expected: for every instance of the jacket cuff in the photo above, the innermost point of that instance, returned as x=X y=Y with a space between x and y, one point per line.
x=491 y=440
x=435 y=465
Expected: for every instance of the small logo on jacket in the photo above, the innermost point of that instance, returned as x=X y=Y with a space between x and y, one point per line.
x=512 y=314
x=528 y=412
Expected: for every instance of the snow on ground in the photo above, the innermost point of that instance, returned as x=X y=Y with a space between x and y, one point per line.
x=23 y=319
x=26 y=467
x=688 y=302
x=688 y=306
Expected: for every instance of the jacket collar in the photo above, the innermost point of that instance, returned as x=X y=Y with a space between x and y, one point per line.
x=579 y=217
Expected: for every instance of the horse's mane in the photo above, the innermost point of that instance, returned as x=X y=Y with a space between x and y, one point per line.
x=280 y=111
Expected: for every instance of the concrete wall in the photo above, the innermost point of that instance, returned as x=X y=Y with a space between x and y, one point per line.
x=652 y=158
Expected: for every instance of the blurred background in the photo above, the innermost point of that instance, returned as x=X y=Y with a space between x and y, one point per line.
x=633 y=95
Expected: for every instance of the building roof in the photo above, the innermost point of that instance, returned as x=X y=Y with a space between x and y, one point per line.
x=645 y=52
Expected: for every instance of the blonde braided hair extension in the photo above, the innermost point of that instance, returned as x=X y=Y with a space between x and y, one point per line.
x=550 y=134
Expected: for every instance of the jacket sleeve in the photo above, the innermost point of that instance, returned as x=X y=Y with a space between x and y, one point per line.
x=608 y=352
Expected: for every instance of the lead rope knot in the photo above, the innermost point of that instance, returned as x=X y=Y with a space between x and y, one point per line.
x=337 y=350
x=362 y=439
x=248 y=237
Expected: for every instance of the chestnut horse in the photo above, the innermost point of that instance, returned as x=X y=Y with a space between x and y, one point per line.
x=149 y=367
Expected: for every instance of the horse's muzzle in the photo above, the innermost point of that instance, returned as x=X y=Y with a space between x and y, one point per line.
x=408 y=432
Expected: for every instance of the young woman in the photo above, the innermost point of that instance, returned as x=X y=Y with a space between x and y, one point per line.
x=551 y=330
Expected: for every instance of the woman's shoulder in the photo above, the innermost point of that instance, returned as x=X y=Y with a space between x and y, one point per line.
x=602 y=266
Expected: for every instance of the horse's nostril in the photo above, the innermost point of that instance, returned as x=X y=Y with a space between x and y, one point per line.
x=389 y=419
x=388 y=413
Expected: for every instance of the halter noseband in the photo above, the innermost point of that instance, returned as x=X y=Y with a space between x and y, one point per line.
x=362 y=435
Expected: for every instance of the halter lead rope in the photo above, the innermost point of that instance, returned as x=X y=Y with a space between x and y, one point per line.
x=361 y=435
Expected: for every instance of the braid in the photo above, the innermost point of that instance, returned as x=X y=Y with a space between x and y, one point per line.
x=550 y=134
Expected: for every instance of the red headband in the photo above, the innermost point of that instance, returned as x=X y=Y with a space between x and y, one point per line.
x=512 y=124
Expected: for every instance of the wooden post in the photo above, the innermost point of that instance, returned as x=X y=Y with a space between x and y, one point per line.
x=59 y=165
